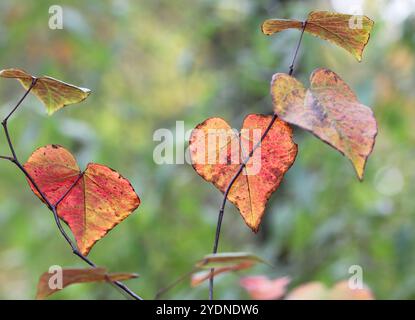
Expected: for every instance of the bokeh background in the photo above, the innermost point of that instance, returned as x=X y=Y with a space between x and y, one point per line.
x=152 y=63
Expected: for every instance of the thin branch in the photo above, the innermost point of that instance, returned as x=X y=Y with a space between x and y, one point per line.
x=7 y=158
x=174 y=283
x=34 y=80
x=243 y=165
x=4 y=122
x=297 y=48
x=53 y=207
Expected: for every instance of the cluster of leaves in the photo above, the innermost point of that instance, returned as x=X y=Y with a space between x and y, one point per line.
x=91 y=202
x=329 y=109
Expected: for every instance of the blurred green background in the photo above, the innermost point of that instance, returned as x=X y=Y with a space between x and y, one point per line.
x=152 y=63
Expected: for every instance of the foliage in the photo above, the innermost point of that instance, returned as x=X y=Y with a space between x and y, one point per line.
x=329 y=26
x=215 y=68
x=91 y=202
x=254 y=186
x=330 y=110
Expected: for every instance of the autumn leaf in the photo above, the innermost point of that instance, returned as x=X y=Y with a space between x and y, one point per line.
x=227 y=259
x=54 y=94
x=330 y=110
x=48 y=282
x=351 y=32
x=200 y=277
x=318 y=291
x=98 y=200
x=217 y=153
x=262 y=288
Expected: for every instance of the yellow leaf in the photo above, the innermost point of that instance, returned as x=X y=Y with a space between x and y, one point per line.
x=351 y=32
x=54 y=94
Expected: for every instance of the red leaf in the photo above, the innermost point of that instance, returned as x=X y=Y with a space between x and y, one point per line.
x=99 y=200
x=217 y=153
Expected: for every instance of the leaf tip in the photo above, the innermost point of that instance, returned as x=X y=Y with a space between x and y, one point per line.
x=263 y=30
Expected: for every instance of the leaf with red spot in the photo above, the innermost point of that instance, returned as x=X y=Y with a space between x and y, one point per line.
x=50 y=282
x=98 y=199
x=262 y=288
x=53 y=93
x=330 y=110
x=217 y=153
x=351 y=32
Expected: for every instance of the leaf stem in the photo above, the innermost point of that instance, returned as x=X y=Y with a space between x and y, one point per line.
x=52 y=207
x=242 y=166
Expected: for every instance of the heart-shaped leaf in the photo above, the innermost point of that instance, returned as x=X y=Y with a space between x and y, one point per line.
x=54 y=94
x=340 y=291
x=49 y=283
x=330 y=110
x=98 y=200
x=351 y=32
x=262 y=288
x=217 y=153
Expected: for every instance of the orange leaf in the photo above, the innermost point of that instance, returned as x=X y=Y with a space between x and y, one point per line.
x=47 y=283
x=330 y=110
x=318 y=291
x=262 y=288
x=53 y=93
x=350 y=32
x=202 y=276
x=217 y=153
x=100 y=199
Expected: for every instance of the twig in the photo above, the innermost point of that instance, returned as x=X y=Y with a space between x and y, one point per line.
x=174 y=283
x=297 y=48
x=53 y=207
x=242 y=166
x=6 y=158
